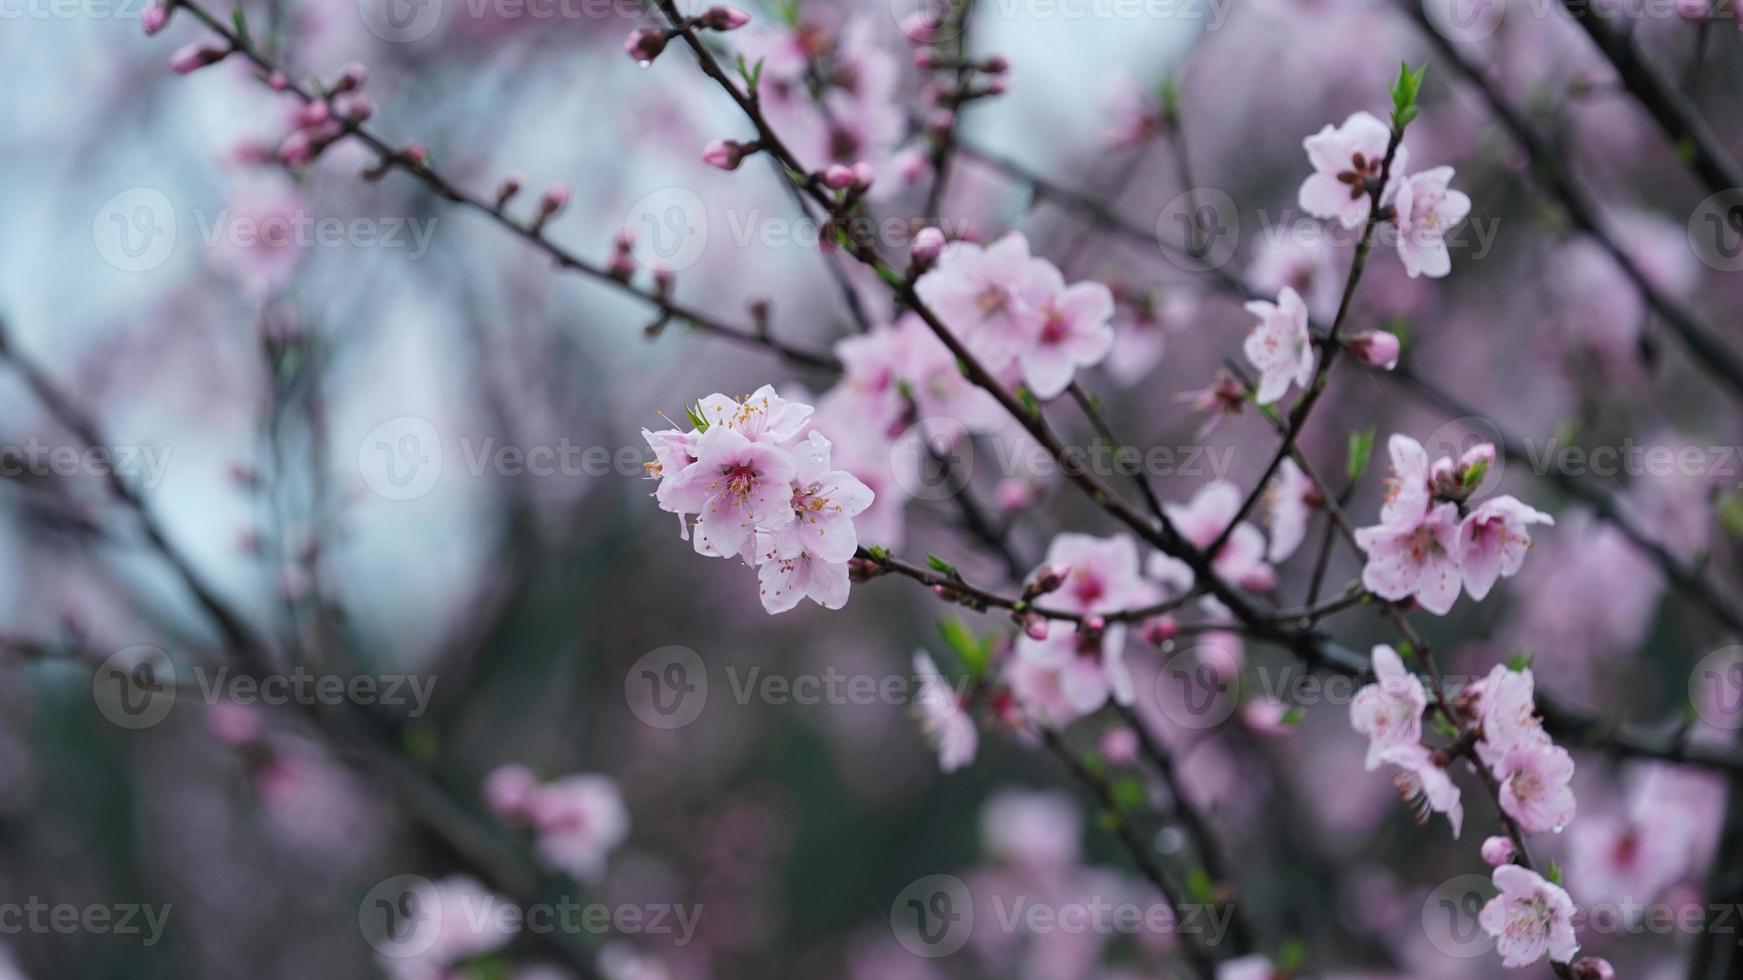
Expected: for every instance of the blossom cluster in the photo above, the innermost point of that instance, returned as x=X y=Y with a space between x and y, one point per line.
x=577 y=820
x=1017 y=315
x=1531 y=916
x=1348 y=161
x=757 y=479
x=1430 y=542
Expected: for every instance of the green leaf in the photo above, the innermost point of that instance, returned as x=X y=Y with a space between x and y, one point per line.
x=1361 y=450
x=1730 y=512
x=878 y=552
x=1474 y=475
x=239 y=20
x=694 y=414
x=939 y=565
x=1129 y=793
x=1030 y=405
x=1445 y=728
x=1293 y=716
x=1168 y=95
x=1519 y=661
x=962 y=642
x=1554 y=873
x=1200 y=888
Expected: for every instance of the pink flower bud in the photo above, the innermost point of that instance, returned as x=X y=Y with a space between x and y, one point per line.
x=664 y=278
x=1120 y=746
x=923 y=58
x=723 y=18
x=1160 y=630
x=196 y=56
x=644 y=45
x=277 y=82
x=154 y=18
x=940 y=123
x=1014 y=495
x=725 y=154
x=1035 y=626
x=1048 y=578
x=1375 y=348
x=553 y=200
x=1266 y=715
x=927 y=245
x=508 y=790
x=996 y=65
x=1094 y=625
x=416 y=153
x=863 y=175
x=297 y=148
x=351 y=77
x=919 y=27
x=1693 y=10
x=1592 y=968
x=1497 y=851
x=837 y=177
x=355 y=106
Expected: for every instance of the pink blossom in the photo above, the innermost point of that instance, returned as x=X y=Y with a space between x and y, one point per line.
x=1306 y=264
x=1493 y=541
x=466 y=921
x=738 y=487
x=1290 y=501
x=1119 y=746
x=807 y=556
x=783 y=581
x=1038 y=831
x=1266 y=715
x=1091 y=668
x=1389 y=711
x=1529 y=918
x=1345 y=159
x=1534 y=787
x=1418 y=561
x=1407 y=489
x=579 y=820
x=948 y=403
x=985 y=296
x=154 y=18
x=508 y=791
x=1134 y=116
x=1280 y=346
x=1075 y=332
x=1201 y=521
x=944 y=721
x=1506 y=714
x=1426 y=210
x=1102 y=574
x=1497 y=851
x=1141 y=333
x=1425 y=785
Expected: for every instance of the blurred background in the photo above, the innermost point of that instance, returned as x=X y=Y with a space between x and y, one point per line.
x=329 y=447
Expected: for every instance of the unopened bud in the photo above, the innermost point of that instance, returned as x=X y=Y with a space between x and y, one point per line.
x=1160 y=629
x=510 y=186
x=723 y=18
x=644 y=44
x=928 y=243
x=1497 y=851
x=1375 y=348
x=196 y=56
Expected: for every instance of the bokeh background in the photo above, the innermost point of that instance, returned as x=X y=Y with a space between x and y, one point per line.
x=313 y=427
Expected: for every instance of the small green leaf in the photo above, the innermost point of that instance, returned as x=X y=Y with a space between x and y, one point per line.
x=962 y=642
x=1129 y=793
x=1474 y=475
x=240 y=21
x=939 y=565
x=1293 y=716
x=694 y=414
x=878 y=552
x=1519 y=661
x=1361 y=450
x=1554 y=873
x=1445 y=728
x=1030 y=405
x=1200 y=888
x=1730 y=513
